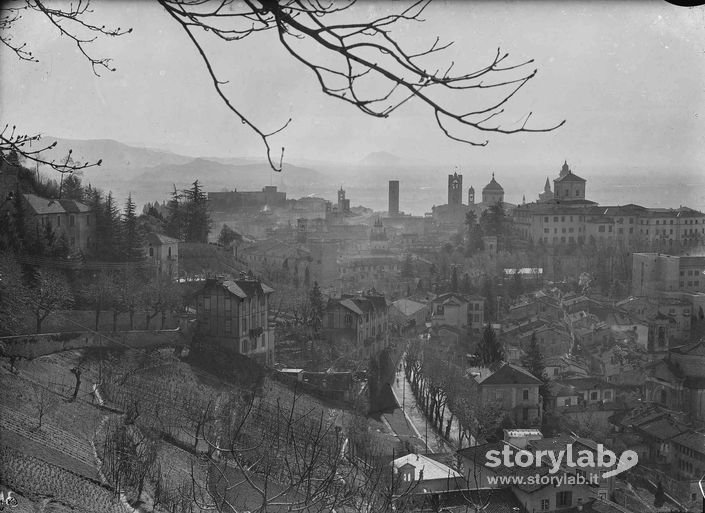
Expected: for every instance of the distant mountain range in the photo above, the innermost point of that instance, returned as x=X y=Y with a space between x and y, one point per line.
x=150 y=174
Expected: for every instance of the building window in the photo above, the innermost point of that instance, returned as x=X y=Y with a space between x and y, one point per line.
x=151 y=251
x=525 y=394
x=608 y=395
x=169 y=252
x=593 y=395
x=228 y=326
x=58 y=220
x=207 y=304
x=72 y=220
x=545 y=504
x=564 y=498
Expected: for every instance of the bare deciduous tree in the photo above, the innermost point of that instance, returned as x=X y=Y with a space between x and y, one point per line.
x=45 y=400
x=51 y=292
x=363 y=63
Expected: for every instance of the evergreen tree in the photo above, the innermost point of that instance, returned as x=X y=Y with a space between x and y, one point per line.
x=197 y=222
x=316 y=300
x=72 y=188
x=533 y=359
x=132 y=240
x=493 y=220
x=175 y=218
x=454 y=279
x=533 y=362
x=474 y=234
x=19 y=223
x=108 y=230
x=489 y=349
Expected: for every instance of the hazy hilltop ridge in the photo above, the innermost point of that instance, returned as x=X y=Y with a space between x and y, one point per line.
x=151 y=173
x=380 y=158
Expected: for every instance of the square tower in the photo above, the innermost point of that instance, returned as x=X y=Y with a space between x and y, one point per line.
x=393 y=198
x=455 y=189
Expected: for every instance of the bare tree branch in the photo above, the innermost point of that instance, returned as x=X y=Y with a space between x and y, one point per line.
x=362 y=63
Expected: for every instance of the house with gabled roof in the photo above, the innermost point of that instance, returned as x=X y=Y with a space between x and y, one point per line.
x=515 y=389
x=360 y=322
x=450 y=309
x=408 y=315
x=422 y=474
x=163 y=252
x=70 y=218
x=233 y=313
x=531 y=484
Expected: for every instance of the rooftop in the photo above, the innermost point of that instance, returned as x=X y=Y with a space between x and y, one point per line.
x=431 y=469
x=509 y=374
x=493 y=186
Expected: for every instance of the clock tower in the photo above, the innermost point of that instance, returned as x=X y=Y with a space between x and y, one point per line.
x=455 y=189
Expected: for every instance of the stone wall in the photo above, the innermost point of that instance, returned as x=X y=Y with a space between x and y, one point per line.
x=32 y=346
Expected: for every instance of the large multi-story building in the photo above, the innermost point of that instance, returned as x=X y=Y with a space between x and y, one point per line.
x=566 y=216
x=234 y=314
x=653 y=273
x=69 y=218
x=360 y=322
x=239 y=200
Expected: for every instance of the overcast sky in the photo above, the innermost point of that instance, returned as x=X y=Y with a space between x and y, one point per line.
x=628 y=78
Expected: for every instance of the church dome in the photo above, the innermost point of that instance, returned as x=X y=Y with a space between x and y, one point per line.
x=493 y=185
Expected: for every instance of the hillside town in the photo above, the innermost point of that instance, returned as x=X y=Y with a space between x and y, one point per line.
x=429 y=341
x=305 y=256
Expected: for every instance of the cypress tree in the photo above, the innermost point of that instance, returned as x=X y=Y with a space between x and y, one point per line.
x=489 y=349
x=132 y=238
x=197 y=222
x=174 y=223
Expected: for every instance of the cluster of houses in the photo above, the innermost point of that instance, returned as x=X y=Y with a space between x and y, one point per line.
x=547 y=479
